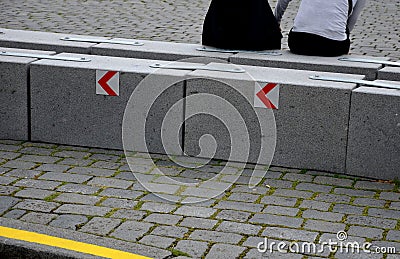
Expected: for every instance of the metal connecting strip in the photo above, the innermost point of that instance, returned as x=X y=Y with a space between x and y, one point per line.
x=271 y=53
x=208 y=67
x=375 y=61
x=41 y=56
x=357 y=81
x=111 y=41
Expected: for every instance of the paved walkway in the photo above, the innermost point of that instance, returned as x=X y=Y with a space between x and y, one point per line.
x=92 y=194
x=377 y=32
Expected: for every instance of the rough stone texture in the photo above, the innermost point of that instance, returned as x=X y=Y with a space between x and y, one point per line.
x=68 y=221
x=194 y=248
x=224 y=251
x=162 y=242
x=14 y=97
x=131 y=230
x=37 y=205
x=389 y=73
x=100 y=226
x=374 y=133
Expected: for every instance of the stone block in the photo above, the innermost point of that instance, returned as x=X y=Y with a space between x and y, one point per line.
x=14 y=92
x=374 y=133
x=312 y=63
x=311 y=121
x=44 y=41
x=389 y=73
x=67 y=110
x=156 y=50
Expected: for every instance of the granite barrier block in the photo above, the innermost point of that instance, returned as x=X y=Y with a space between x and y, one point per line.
x=389 y=73
x=374 y=133
x=44 y=41
x=14 y=94
x=312 y=63
x=157 y=50
x=311 y=122
x=67 y=110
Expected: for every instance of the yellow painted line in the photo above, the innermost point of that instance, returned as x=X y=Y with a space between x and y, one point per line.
x=42 y=239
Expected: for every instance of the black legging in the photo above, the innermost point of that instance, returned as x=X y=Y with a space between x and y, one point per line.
x=303 y=43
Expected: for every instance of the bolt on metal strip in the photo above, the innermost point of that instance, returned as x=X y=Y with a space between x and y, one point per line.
x=41 y=56
x=110 y=41
x=367 y=60
x=199 y=67
x=271 y=53
x=357 y=81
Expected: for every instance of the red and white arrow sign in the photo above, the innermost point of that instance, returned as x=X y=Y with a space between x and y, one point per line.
x=266 y=96
x=107 y=83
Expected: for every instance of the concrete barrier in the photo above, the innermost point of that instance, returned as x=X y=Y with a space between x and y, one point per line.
x=389 y=73
x=14 y=92
x=299 y=62
x=67 y=110
x=312 y=119
x=157 y=50
x=374 y=133
x=44 y=41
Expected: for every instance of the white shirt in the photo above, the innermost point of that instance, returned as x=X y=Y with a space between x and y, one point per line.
x=326 y=18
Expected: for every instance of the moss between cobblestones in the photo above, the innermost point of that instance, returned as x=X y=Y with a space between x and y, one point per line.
x=52 y=197
x=177 y=253
x=138 y=205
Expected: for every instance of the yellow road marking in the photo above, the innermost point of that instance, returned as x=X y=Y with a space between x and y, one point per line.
x=66 y=244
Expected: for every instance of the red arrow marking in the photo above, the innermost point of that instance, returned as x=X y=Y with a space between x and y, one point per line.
x=103 y=83
x=262 y=95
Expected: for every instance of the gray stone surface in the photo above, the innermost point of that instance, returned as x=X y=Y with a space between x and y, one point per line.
x=100 y=226
x=69 y=221
x=311 y=63
x=194 y=248
x=224 y=251
x=101 y=123
x=389 y=73
x=317 y=141
x=14 y=89
x=7 y=202
x=216 y=236
x=131 y=230
x=374 y=134
x=157 y=241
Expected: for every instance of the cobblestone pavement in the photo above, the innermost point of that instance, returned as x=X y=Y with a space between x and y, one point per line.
x=93 y=191
x=377 y=32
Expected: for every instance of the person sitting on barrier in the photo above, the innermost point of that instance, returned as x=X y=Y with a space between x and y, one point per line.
x=241 y=25
x=322 y=27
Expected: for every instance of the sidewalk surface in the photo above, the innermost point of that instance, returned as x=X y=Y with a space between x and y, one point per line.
x=91 y=195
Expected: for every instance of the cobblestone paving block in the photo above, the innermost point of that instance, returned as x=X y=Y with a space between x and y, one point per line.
x=128 y=214
x=393 y=235
x=279 y=183
x=290 y=234
x=367 y=232
x=7 y=190
x=368 y=185
x=239 y=228
x=131 y=230
x=333 y=181
x=314 y=187
x=119 y=193
x=194 y=211
x=279 y=210
x=126 y=176
x=38 y=159
x=78 y=188
x=33 y=193
x=76 y=162
x=390 y=196
x=83 y=210
x=255 y=254
x=100 y=226
x=170 y=231
x=224 y=251
x=384 y=213
x=19 y=164
x=198 y=223
x=40 y=184
x=328 y=216
x=315 y=205
x=69 y=221
x=7 y=202
x=8 y=155
x=348 y=209
x=72 y=154
x=298 y=177
x=2 y=169
x=275 y=220
x=371 y=221
x=324 y=226
x=105 y=157
x=36 y=205
x=77 y=198
x=119 y=203
x=393 y=246
x=5 y=180
x=242 y=206
x=65 y=177
x=92 y=171
x=14 y=214
x=4 y=147
x=201 y=192
x=325 y=237
x=245 y=197
x=195 y=249
x=393 y=205
x=233 y=215
x=38 y=218
x=164 y=219
x=53 y=168
x=246 y=189
x=36 y=151
x=280 y=201
x=22 y=173
x=157 y=241
x=352 y=192
x=215 y=236
x=106 y=165
x=110 y=182
x=158 y=207
x=369 y=202
x=332 y=198
x=293 y=193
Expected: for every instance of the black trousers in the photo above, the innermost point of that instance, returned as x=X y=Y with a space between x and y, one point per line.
x=241 y=24
x=303 y=43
